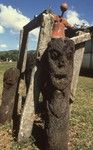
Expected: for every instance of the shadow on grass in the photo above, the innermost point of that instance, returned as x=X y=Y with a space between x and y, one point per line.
x=39 y=136
x=38 y=133
x=86 y=73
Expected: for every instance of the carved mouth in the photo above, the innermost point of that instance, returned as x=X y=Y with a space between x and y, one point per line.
x=59 y=76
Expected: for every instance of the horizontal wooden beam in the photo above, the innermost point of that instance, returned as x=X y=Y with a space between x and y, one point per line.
x=35 y=23
x=82 y=38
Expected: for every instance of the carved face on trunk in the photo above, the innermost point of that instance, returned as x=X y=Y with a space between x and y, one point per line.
x=60 y=56
x=10 y=77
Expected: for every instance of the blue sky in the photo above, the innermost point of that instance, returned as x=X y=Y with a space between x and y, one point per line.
x=14 y=14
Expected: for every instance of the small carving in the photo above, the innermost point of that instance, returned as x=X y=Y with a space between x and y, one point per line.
x=8 y=96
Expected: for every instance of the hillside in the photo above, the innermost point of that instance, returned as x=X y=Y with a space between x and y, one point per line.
x=10 y=55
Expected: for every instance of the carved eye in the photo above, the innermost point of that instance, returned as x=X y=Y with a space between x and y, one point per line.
x=54 y=54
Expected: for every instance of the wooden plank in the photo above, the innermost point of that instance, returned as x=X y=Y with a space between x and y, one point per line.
x=78 y=57
x=36 y=22
x=22 y=56
x=82 y=38
x=28 y=114
x=45 y=34
x=20 y=39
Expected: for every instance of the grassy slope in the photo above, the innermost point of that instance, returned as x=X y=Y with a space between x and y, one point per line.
x=81 y=122
x=82 y=116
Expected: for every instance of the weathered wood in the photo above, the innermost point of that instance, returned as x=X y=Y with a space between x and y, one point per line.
x=45 y=35
x=56 y=76
x=23 y=52
x=21 y=66
x=44 y=20
x=82 y=38
x=44 y=38
x=20 y=39
x=8 y=96
x=28 y=114
x=20 y=51
x=36 y=22
x=78 y=57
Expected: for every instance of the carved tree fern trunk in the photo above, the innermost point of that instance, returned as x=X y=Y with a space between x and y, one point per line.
x=8 y=95
x=56 y=78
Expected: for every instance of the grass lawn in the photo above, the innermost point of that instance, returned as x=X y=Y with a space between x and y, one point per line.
x=81 y=121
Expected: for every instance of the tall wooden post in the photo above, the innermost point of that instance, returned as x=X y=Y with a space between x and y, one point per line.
x=56 y=76
x=78 y=57
x=45 y=35
x=23 y=51
x=10 y=81
x=28 y=114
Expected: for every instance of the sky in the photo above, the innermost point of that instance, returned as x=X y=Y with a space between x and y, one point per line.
x=14 y=14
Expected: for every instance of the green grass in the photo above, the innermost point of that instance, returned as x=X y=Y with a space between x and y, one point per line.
x=5 y=65
x=81 y=121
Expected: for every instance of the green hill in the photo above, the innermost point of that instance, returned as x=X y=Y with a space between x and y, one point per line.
x=11 y=55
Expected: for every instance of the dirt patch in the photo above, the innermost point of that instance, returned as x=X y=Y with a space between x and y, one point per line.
x=5 y=138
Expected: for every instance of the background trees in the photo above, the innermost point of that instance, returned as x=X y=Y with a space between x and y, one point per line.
x=9 y=55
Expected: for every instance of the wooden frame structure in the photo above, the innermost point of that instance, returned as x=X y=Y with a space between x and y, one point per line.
x=44 y=21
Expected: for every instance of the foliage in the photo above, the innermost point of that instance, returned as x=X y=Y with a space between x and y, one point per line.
x=9 y=55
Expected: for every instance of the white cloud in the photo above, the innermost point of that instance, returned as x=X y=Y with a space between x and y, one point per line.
x=1 y=29
x=3 y=46
x=12 y=18
x=14 y=32
x=74 y=18
x=17 y=47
